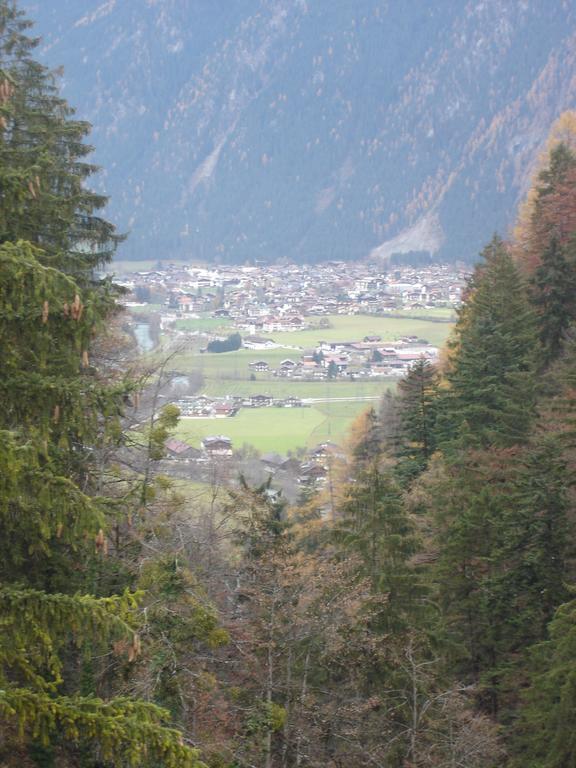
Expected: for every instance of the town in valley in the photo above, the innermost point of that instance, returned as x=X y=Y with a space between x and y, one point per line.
x=282 y=345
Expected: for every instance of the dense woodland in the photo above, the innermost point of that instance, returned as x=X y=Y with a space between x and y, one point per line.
x=417 y=613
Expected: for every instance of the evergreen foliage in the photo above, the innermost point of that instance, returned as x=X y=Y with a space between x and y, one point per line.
x=491 y=398
x=229 y=344
x=554 y=296
x=545 y=734
x=43 y=165
x=419 y=397
x=57 y=412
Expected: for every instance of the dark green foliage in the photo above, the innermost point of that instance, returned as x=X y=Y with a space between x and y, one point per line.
x=332 y=370
x=491 y=398
x=369 y=443
x=562 y=160
x=418 y=409
x=230 y=344
x=42 y=161
x=503 y=541
x=375 y=527
x=545 y=733
x=553 y=293
x=58 y=412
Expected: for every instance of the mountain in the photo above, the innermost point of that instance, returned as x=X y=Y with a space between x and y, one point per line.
x=234 y=130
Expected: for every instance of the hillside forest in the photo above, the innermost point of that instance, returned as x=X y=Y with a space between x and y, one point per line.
x=419 y=612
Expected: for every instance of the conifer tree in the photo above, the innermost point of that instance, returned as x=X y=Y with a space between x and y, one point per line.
x=375 y=528
x=549 y=210
x=418 y=413
x=491 y=397
x=57 y=410
x=366 y=438
x=43 y=165
x=544 y=734
x=553 y=292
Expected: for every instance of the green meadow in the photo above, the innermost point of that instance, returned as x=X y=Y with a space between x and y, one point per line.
x=278 y=429
x=209 y=324
x=275 y=429
x=356 y=327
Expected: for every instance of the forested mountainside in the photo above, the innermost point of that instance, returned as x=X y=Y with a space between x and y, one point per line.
x=256 y=129
x=417 y=612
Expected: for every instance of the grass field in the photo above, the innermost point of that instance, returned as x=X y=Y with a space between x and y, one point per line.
x=146 y=309
x=435 y=313
x=276 y=429
x=356 y=327
x=212 y=324
x=266 y=429
x=303 y=389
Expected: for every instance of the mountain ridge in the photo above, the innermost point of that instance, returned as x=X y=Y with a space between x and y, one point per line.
x=284 y=128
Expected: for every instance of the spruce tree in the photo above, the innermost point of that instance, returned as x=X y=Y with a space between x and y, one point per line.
x=545 y=736
x=553 y=292
x=57 y=412
x=366 y=438
x=50 y=523
x=419 y=396
x=43 y=167
x=491 y=398
x=375 y=528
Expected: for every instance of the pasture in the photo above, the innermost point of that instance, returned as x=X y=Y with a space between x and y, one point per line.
x=281 y=430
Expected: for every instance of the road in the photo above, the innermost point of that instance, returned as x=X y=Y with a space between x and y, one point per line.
x=359 y=399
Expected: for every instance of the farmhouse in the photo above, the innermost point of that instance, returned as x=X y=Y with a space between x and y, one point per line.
x=176 y=449
x=293 y=402
x=258 y=342
x=217 y=445
x=259 y=366
x=312 y=473
x=260 y=401
x=273 y=461
x=326 y=451
x=224 y=410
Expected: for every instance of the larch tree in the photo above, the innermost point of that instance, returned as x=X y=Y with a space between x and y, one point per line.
x=549 y=209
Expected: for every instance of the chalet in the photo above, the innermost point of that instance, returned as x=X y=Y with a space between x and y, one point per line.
x=259 y=366
x=272 y=461
x=293 y=402
x=294 y=323
x=224 y=410
x=176 y=449
x=291 y=465
x=258 y=342
x=217 y=445
x=312 y=473
x=185 y=303
x=326 y=451
x=260 y=401
x=287 y=364
x=194 y=406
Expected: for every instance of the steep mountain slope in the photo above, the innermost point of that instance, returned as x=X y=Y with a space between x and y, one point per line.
x=313 y=129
